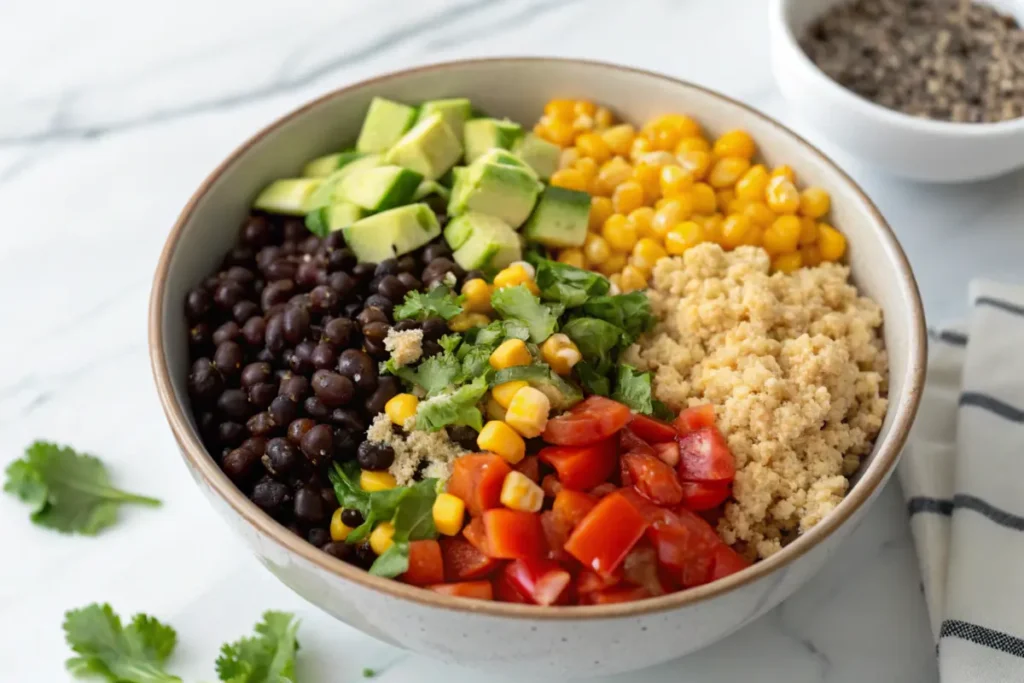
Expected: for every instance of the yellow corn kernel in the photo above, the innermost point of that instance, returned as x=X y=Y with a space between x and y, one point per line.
x=638 y=265
x=632 y=279
x=754 y=236
x=584 y=108
x=519 y=492
x=511 y=353
x=726 y=171
x=649 y=177
x=621 y=236
x=616 y=281
x=831 y=243
x=528 y=412
x=572 y=257
x=694 y=143
x=339 y=530
x=596 y=249
x=640 y=147
x=613 y=173
x=672 y=213
x=560 y=109
x=493 y=410
x=603 y=118
x=703 y=199
x=735 y=143
x=600 y=209
x=570 y=179
x=382 y=537
x=504 y=392
x=588 y=167
x=753 y=183
x=781 y=195
x=759 y=213
x=734 y=229
x=674 y=181
x=613 y=264
x=810 y=255
x=592 y=145
x=787 y=263
x=697 y=162
x=515 y=274
x=647 y=252
x=466 y=321
x=568 y=157
x=478 y=296
x=583 y=124
x=808 y=231
x=684 y=236
x=783 y=236
x=713 y=228
x=735 y=205
x=560 y=132
x=723 y=198
x=784 y=171
x=371 y=481
x=814 y=202
x=560 y=353
x=401 y=407
x=620 y=138
x=498 y=437
x=640 y=218
x=449 y=512
x=628 y=196
x=667 y=130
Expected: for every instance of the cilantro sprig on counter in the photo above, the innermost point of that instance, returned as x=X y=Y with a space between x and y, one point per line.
x=266 y=657
x=67 y=491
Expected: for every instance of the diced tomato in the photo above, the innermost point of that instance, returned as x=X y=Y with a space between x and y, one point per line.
x=651 y=430
x=607 y=534
x=727 y=561
x=625 y=478
x=685 y=544
x=425 y=564
x=582 y=467
x=476 y=590
x=602 y=490
x=551 y=485
x=588 y=422
x=588 y=581
x=692 y=419
x=505 y=591
x=668 y=453
x=640 y=568
x=475 y=533
x=571 y=507
x=700 y=495
x=556 y=533
x=541 y=580
x=514 y=534
x=629 y=442
x=650 y=511
x=653 y=478
x=463 y=561
x=530 y=467
x=476 y=479
x=610 y=596
x=705 y=456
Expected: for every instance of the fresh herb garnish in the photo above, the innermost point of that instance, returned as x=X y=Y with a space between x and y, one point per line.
x=662 y=411
x=456 y=407
x=563 y=394
x=568 y=285
x=594 y=338
x=123 y=654
x=634 y=389
x=369 y=673
x=440 y=301
x=68 y=491
x=267 y=657
x=591 y=379
x=498 y=331
x=520 y=304
x=414 y=521
x=373 y=506
x=630 y=312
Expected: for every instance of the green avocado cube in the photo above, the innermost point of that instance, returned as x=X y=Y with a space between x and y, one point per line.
x=542 y=156
x=392 y=233
x=289 y=196
x=497 y=155
x=430 y=148
x=329 y=163
x=560 y=219
x=455 y=112
x=506 y=192
x=481 y=135
x=379 y=189
x=386 y=121
x=487 y=243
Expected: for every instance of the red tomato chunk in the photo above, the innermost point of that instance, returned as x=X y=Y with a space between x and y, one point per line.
x=477 y=480
x=425 y=564
x=651 y=430
x=699 y=495
x=476 y=590
x=608 y=532
x=692 y=419
x=588 y=422
x=514 y=534
x=540 y=580
x=705 y=456
x=653 y=478
x=582 y=467
x=463 y=561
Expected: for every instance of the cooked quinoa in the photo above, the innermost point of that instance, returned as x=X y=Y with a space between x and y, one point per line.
x=405 y=346
x=413 y=449
x=795 y=368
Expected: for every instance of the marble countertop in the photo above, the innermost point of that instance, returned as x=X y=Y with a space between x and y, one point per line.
x=113 y=112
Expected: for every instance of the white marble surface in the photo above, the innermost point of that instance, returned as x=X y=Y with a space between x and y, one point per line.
x=112 y=112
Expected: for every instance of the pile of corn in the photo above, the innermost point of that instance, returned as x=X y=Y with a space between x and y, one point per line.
x=665 y=188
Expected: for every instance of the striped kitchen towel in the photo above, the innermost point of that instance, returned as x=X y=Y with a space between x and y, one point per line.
x=963 y=477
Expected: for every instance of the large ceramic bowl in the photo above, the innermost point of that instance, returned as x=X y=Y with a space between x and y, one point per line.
x=553 y=641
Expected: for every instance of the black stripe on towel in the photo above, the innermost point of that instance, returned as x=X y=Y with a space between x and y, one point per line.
x=1000 y=304
x=939 y=506
x=952 y=338
x=962 y=501
x=993 y=405
x=997 y=640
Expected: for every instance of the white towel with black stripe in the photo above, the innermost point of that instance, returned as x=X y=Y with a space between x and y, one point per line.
x=963 y=477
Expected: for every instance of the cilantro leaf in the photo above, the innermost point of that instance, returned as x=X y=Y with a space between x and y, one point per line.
x=594 y=338
x=456 y=407
x=440 y=301
x=630 y=312
x=519 y=304
x=450 y=342
x=593 y=381
x=67 y=491
x=500 y=330
x=413 y=521
x=394 y=561
x=434 y=374
x=122 y=654
x=634 y=389
x=476 y=362
x=567 y=284
x=662 y=411
x=267 y=657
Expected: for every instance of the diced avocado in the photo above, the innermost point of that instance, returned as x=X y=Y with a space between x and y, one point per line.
x=328 y=164
x=385 y=122
x=455 y=112
x=560 y=219
x=431 y=187
x=289 y=196
x=379 y=189
x=481 y=135
x=326 y=193
x=392 y=233
x=332 y=218
x=459 y=229
x=492 y=244
x=506 y=192
x=430 y=148
x=505 y=157
x=541 y=155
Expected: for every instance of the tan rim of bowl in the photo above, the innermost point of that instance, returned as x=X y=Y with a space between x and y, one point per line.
x=195 y=454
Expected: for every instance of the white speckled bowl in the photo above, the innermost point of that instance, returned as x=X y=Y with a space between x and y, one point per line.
x=525 y=640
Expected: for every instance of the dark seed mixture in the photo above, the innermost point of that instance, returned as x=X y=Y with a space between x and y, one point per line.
x=949 y=60
x=285 y=341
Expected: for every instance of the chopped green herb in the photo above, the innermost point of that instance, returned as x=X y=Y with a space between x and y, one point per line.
x=67 y=491
x=634 y=389
x=592 y=381
x=594 y=338
x=440 y=301
x=450 y=342
x=563 y=394
x=567 y=284
x=369 y=673
x=267 y=657
x=457 y=407
x=519 y=304
x=500 y=330
x=662 y=411
x=629 y=312
x=373 y=506
x=414 y=521
x=122 y=654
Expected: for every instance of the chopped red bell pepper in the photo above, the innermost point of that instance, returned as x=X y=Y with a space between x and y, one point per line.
x=556 y=533
x=705 y=456
x=570 y=507
x=692 y=419
x=610 y=596
x=685 y=544
x=476 y=535
x=700 y=495
x=514 y=534
x=607 y=533
x=425 y=564
x=588 y=581
x=727 y=561
x=476 y=590
x=590 y=421
x=463 y=561
x=476 y=479
x=505 y=591
x=651 y=430
x=653 y=478
x=582 y=467
x=541 y=580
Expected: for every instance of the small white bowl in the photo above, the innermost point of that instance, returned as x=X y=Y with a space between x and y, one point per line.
x=920 y=149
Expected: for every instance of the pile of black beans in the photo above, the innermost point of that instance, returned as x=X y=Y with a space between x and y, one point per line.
x=285 y=343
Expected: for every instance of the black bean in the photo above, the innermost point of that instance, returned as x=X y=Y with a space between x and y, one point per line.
x=296 y=324
x=464 y=436
x=435 y=251
x=260 y=395
x=270 y=495
x=403 y=325
x=318 y=444
x=376 y=349
x=385 y=304
x=371 y=315
x=280 y=457
x=239 y=256
x=436 y=270
x=274 y=335
x=298 y=428
x=348 y=419
x=407 y=264
x=392 y=288
x=330 y=500
x=281 y=269
x=387 y=267
x=253 y=331
x=318 y=536
x=244 y=310
x=388 y=387
x=294 y=229
x=339 y=331
x=342 y=283
x=309 y=506
x=323 y=356
x=207 y=424
x=301 y=360
x=359 y=368
x=229 y=331
x=434 y=327
x=323 y=299
x=283 y=410
x=261 y=424
x=289 y=248
x=431 y=348
x=332 y=388
x=336 y=240
x=341 y=550
x=352 y=518
x=197 y=304
x=238 y=463
x=316 y=409
x=295 y=387
x=234 y=405
x=375 y=282
x=276 y=292
x=255 y=373
x=339 y=260
x=241 y=275
x=230 y=434
x=200 y=337
x=351 y=310
x=256 y=444
x=410 y=281
x=256 y=231
x=310 y=244
x=228 y=293
x=363 y=271
x=205 y=381
x=362 y=555
x=376 y=331
x=346 y=444
x=309 y=275
x=228 y=358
